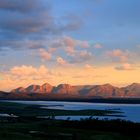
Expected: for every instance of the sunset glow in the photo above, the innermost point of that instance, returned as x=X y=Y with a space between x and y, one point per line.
x=78 y=42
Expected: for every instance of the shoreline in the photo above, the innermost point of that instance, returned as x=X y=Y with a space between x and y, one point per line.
x=108 y=100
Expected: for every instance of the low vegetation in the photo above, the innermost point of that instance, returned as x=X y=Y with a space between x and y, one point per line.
x=28 y=126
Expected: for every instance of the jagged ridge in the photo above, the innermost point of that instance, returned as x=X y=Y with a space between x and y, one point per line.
x=105 y=90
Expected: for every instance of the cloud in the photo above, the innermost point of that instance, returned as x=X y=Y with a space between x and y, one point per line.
x=83 y=44
x=32 y=20
x=24 y=17
x=44 y=54
x=70 y=50
x=25 y=75
x=33 y=17
x=28 y=25
x=61 y=61
x=84 y=54
x=20 y=6
x=51 y=50
x=125 y=66
x=36 y=13
x=81 y=56
x=118 y=55
x=75 y=51
x=88 y=67
x=66 y=43
x=25 y=71
x=22 y=44
x=97 y=46
x=72 y=47
x=69 y=42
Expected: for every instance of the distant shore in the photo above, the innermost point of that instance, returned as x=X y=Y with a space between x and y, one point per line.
x=101 y=100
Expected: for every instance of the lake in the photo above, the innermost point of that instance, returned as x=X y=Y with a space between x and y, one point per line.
x=130 y=111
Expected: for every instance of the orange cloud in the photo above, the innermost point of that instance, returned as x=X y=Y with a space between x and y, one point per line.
x=61 y=61
x=69 y=42
x=118 y=55
x=70 y=50
x=87 y=66
x=51 y=49
x=81 y=56
x=44 y=54
x=83 y=44
x=97 y=46
x=25 y=75
x=125 y=66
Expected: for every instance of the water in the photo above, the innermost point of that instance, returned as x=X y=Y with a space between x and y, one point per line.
x=130 y=111
x=8 y=115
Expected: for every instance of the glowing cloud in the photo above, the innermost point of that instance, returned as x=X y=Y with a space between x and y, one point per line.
x=44 y=54
x=97 y=46
x=125 y=66
x=118 y=55
x=61 y=61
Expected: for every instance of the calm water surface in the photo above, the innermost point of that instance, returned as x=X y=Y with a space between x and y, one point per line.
x=131 y=111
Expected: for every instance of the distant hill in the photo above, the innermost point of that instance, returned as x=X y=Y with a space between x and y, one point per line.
x=68 y=91
x=45 y=88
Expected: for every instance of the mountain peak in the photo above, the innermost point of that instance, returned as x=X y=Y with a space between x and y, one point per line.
x=133 y=89
x=105 y=90
x=46 y=84
x=33 y=88
x=19 y=90
x=66 y=89
x=107 y=84
x=135 y=84
x=46 y=88
x=64 y=86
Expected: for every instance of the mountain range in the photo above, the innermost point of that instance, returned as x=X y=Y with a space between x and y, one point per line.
x=105 y=91
x=62 y=91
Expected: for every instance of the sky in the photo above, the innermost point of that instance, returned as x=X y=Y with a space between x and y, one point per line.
x=78 y=42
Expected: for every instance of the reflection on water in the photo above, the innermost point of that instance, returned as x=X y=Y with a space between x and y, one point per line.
x=131 y=111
